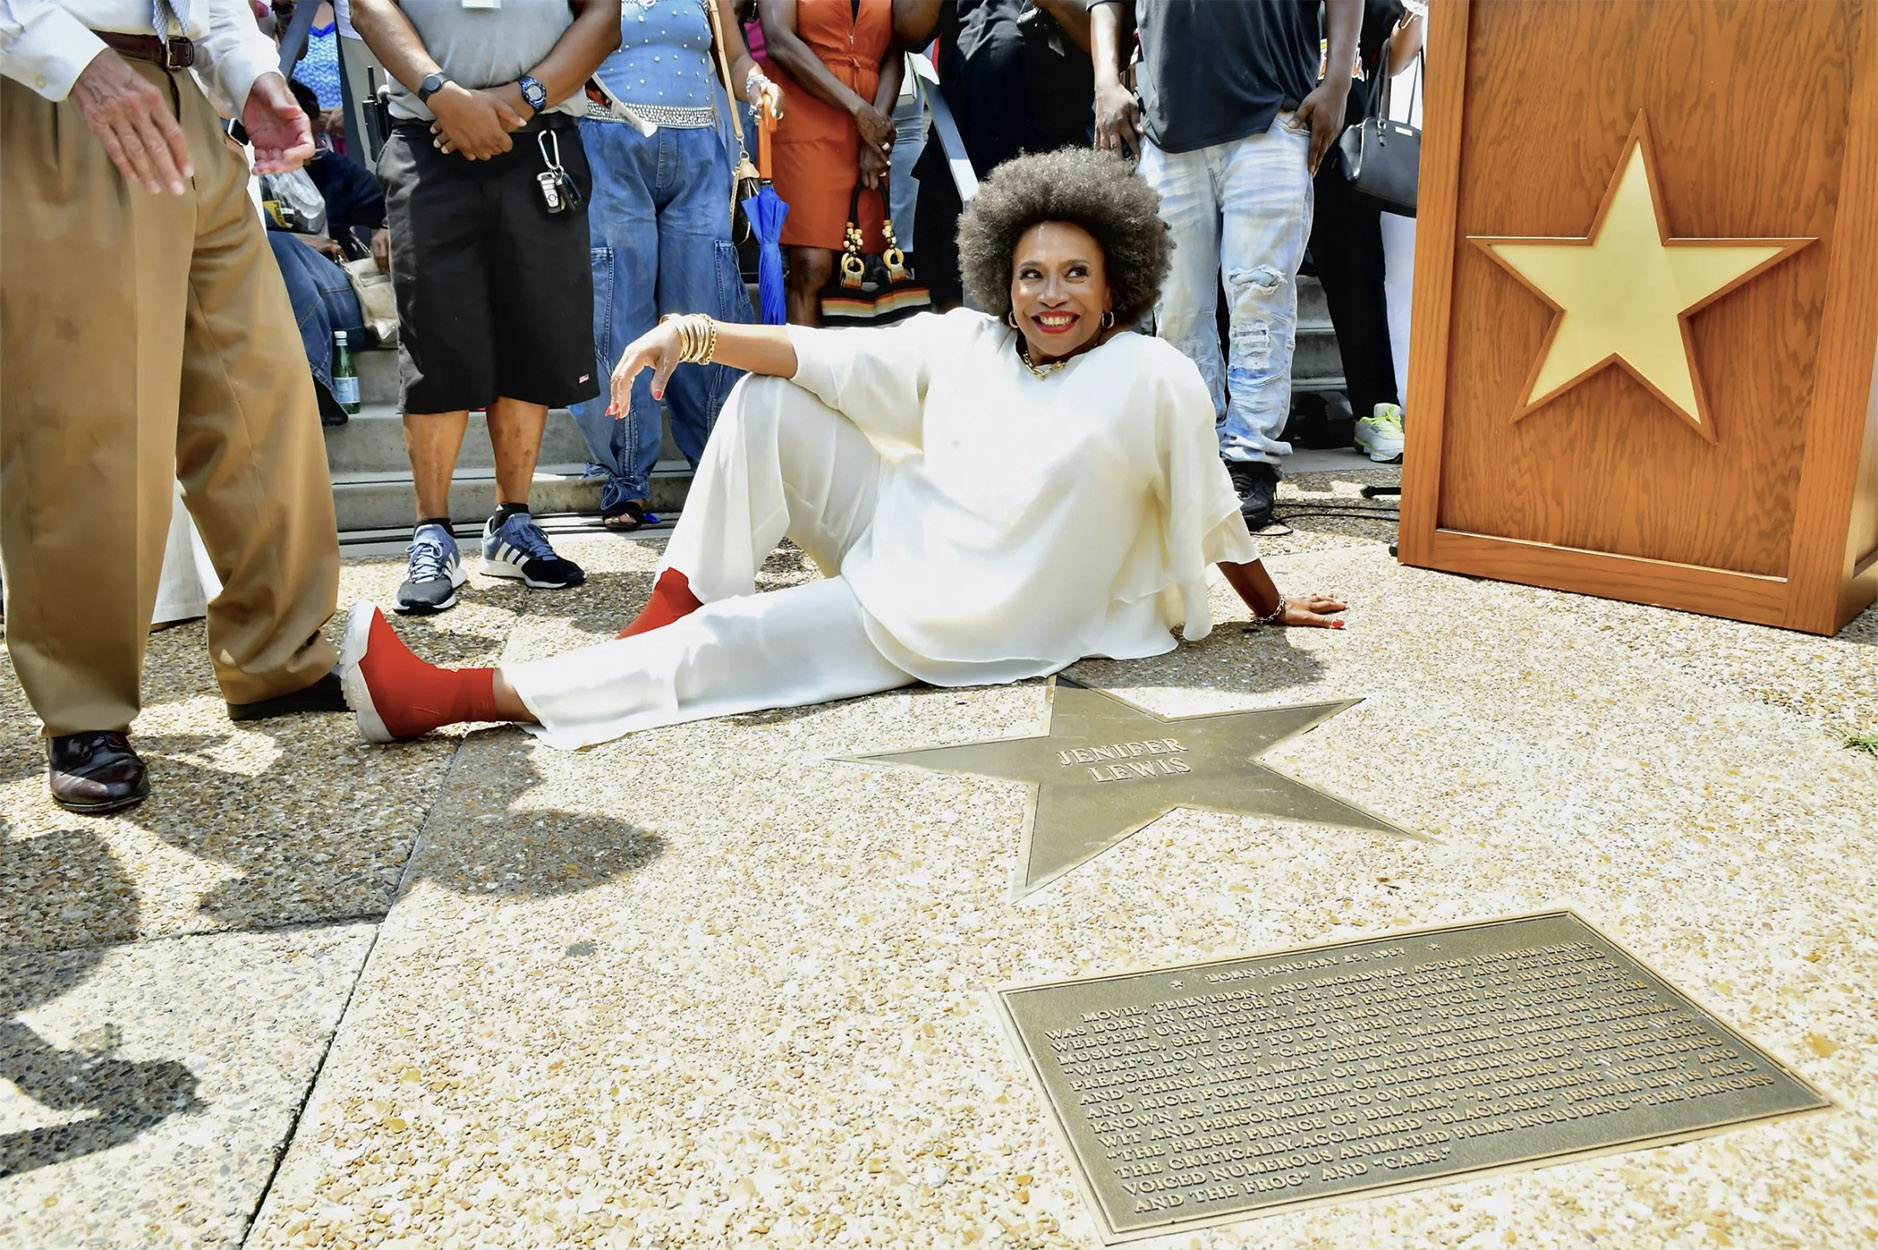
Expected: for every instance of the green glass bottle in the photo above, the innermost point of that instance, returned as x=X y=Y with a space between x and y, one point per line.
x=345 y=377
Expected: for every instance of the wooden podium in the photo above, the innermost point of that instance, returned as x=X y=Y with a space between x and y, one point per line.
x=1683 y=411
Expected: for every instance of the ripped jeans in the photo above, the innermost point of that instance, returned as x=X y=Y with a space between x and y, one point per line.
x=1242 y=209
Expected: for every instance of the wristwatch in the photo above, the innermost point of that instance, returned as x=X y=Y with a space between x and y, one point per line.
x=430 y=87
x=533 y=92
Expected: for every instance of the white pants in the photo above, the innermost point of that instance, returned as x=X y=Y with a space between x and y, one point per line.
x=779 y=463
x=188 y=581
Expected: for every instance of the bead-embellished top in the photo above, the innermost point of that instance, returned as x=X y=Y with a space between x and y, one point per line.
x=663 y=70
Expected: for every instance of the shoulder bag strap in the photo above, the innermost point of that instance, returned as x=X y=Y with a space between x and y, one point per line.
x=293 y=42
x=723 y=69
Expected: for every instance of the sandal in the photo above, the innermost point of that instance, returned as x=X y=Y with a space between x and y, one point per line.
x=627 y=516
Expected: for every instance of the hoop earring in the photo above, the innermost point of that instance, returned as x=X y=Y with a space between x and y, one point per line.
x=1108 y=319
x=1010 y=319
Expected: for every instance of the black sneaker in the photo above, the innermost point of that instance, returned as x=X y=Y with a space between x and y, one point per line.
x=1256 y=484
x=517 y=548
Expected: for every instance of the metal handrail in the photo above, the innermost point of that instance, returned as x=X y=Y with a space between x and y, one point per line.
x=964 y=177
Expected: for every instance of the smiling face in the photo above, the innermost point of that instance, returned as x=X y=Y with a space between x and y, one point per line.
x=1059 y=289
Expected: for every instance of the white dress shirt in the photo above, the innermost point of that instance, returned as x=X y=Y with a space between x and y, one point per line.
x=46 y=44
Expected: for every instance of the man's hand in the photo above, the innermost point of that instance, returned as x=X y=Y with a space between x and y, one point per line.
x=132 y=119
x=1117 y=120
x=276 y=126
x=325 y=246
x=333 y=123
x=381 y=249
x=510 y=93
x=474 y=123
x=1323 y=110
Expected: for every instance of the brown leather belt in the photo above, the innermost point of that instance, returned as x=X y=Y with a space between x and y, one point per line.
x=170 y=54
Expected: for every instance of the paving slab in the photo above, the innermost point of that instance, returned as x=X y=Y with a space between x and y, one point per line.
x=260 y=824
x=710 y=985
x=147 y=1090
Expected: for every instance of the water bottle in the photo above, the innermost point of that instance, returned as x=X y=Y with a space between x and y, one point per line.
x=345 y=377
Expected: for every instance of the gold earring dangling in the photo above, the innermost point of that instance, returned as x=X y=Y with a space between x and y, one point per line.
x=1010 y=319
x=1108 y=319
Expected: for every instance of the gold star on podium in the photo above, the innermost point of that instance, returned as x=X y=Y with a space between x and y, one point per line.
x=1625 y=292
x=1104 y=769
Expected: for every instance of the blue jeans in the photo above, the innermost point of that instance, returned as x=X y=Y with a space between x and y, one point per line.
x=660 y=220
x=1242 y=209
x=323 y=301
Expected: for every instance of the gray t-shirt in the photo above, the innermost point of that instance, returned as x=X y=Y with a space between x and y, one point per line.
x=481 y=47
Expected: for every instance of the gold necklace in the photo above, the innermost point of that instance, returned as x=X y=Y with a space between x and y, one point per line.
x=1042 y=371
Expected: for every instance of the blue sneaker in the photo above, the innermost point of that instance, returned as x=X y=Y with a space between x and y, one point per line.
x=517 y=548
x=436 y=572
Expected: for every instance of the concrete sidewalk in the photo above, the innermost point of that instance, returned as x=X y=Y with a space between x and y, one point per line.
x=709 y=985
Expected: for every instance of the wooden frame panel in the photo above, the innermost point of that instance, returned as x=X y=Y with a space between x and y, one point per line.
x=1807 y=561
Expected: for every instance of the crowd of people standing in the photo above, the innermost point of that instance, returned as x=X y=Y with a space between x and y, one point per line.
x=553 y=179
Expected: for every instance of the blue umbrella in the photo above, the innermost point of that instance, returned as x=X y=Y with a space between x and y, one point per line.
x=766 y=212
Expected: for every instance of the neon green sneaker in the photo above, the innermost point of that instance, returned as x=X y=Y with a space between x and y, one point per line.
x=1380 y=434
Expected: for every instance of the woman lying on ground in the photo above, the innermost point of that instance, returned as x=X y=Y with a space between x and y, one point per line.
x=991 y=497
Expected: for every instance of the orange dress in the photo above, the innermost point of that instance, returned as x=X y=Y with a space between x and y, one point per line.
x=816 y=161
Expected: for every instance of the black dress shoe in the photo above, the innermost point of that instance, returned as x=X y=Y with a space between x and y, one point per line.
x=96 y=772
x=323 y=695
x=1256 y=484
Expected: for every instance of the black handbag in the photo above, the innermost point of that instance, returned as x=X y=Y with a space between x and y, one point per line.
x=871 y=288
x=1383 y=158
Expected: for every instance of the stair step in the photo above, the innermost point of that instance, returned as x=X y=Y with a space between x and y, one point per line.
x=1314 y=353
x=373 y=441
x=377 y=368
x=393 y=541
x=371 y=501
x=1312 y=305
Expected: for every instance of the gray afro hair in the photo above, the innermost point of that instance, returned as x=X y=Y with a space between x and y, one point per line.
x=1094 y=190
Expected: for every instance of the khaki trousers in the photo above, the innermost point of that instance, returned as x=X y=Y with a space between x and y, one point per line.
x=147 y=339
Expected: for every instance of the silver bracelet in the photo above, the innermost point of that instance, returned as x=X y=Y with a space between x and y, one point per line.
x=752 y=93
x=1274 y=616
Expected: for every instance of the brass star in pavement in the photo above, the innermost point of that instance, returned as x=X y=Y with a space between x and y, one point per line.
x=1625 y=293
x=1104 y=769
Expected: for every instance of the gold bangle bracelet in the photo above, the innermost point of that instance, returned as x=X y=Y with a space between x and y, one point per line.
x=697 y=337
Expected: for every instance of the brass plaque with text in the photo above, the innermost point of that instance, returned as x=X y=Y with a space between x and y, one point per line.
x=1210 y=1092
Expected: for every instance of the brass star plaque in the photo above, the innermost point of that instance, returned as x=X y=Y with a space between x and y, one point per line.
x=1104 y=769
x=1624 y=293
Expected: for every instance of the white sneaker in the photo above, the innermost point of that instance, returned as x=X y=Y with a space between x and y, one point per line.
x=1380 y=434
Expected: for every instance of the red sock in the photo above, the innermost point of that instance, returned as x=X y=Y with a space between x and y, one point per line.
x=671 y=599
x=412 y=697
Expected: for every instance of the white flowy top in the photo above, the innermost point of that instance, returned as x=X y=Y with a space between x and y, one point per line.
x=1032 y=521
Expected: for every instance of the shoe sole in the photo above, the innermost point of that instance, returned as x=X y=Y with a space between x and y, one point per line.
x=458 y=578
x=500 y=568
x=105 y=807
x=352 y=649
x=1385 y=457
